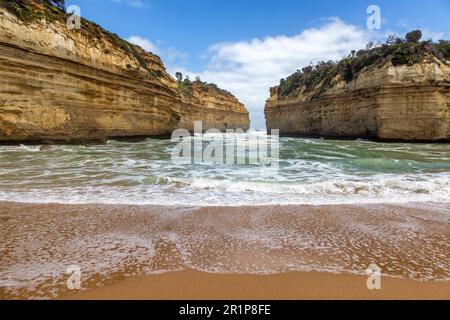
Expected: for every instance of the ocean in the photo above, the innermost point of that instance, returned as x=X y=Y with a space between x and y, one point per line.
x=307 y=171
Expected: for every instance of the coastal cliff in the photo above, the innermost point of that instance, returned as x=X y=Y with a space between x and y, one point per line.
x=61 y=85
x=217 y=108
x=382 y=94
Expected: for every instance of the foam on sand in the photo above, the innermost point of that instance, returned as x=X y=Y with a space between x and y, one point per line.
x=109 y=243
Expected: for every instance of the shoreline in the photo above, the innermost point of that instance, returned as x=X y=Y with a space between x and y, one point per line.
x=431 y=205
x=197 y=285
x=115 y=246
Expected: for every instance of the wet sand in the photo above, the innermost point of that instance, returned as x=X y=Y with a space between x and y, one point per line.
x=310 y=251
x=195 y=285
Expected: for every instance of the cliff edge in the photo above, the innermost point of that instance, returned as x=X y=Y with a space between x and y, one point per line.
x=61 y=85
x=398 y=90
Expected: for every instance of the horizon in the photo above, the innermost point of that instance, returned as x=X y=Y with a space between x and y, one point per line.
x=234 y=39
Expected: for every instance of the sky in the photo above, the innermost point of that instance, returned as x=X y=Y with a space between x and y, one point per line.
x=247 y=46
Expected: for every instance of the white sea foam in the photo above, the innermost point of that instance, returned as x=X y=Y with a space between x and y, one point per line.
x=406 y=243
x=311 y=171
x=206 y=191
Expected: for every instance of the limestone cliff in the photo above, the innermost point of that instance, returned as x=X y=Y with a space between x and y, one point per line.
x=75 y=85
x=385 y=101
x=216 y=107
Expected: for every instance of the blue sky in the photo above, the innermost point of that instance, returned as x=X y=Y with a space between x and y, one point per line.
x=246 y=46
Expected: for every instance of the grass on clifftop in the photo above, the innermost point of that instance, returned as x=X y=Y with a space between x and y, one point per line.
x=29 y=11
x=399 y=51
x=187 y=86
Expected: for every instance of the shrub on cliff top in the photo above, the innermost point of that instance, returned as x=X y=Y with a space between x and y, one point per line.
x=414 y=36
x=61 y=4
x=398 y=51
x=187 y=86
x=444 y=48
x=30 y=10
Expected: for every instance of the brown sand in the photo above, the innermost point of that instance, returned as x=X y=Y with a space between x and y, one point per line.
x=115 y=246
x=194 y=285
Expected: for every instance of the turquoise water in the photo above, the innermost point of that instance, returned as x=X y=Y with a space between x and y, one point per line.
x=309 y=171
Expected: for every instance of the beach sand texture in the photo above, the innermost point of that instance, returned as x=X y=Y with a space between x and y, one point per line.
x=279 y=252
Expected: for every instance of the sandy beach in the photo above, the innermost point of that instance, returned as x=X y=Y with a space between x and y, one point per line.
x=247 y=252
x=194 y=285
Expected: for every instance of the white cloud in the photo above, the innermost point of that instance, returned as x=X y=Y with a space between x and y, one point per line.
x=144 y=44
x=169 y=55
x=249 y=68
x=133 y=3
x=435 y=36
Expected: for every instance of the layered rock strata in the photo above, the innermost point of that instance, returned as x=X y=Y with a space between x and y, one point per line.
x=61 y=85
x=406 y=102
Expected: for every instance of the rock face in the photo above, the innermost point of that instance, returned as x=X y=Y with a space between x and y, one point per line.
x=408 y=102
x=61 y=85
x=215 y=107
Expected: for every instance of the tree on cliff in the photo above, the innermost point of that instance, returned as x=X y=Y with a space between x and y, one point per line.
x=187 y=81
x=179 y=76
x=61 y=4
x=413 y=36
x=444 y=48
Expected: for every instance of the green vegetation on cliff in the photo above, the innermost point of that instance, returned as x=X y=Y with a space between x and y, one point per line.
x=187 y=86
x=31 y=10
x=398 y=51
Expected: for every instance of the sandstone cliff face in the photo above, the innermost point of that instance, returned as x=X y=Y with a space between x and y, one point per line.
x=410 y=103
x=214 y=107
x=81 y=85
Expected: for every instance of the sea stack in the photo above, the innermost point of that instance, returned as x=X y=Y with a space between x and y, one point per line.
x=81 y=85
x=399 y=90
